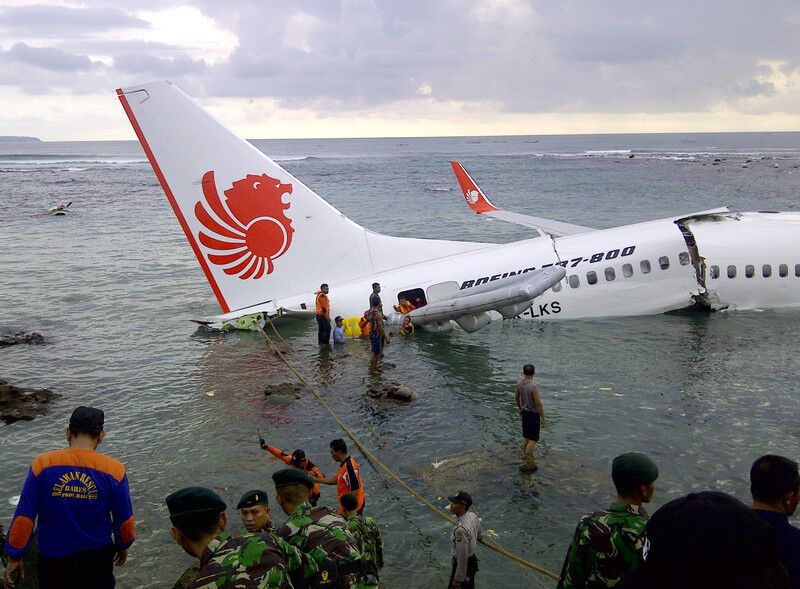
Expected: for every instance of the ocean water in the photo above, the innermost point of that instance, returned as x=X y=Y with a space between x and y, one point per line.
x=112 y=288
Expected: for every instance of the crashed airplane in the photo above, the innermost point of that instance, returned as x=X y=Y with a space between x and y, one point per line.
x=265 y=242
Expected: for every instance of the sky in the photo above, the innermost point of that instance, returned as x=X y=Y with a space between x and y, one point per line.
x=380 y=68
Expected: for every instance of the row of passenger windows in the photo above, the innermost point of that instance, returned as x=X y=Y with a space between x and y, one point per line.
x=750 y=271
x=627 y=271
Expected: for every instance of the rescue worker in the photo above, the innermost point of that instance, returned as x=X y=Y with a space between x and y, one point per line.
x=254 y=510
x=83 y=505
x=254 y=560
x=375 y=297
x=367 y=536
x=348 y=478
x=323 y=315
x=318 y=532
x=404 y=307
x=608 y=545
x=464 y=538
x=297 y=459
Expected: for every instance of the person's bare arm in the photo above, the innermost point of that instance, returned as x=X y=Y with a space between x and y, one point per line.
x=516 y=396
x=537 y=400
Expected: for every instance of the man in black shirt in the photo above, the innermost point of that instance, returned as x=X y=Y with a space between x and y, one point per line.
x=775 y=486
x=375 y=297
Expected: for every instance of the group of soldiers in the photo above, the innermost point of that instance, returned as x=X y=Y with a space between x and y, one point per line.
x=315 y=547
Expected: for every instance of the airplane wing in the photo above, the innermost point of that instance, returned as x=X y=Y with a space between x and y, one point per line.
x=478 y=202
x=508 y=296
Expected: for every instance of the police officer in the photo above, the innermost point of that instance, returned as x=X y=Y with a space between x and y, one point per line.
x=259 y=560
x=367 y=535
x=608 y=545
x=254 y=510
x=465 y=536
x=318 y=531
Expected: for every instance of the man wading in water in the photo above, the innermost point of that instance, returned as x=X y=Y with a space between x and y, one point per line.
x=529 y=404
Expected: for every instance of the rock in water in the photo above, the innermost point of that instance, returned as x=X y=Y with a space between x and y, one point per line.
x=17 y=403
x=21 y=337
x=391 y=390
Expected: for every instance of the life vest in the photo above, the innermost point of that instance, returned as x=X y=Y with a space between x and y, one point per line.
x=323 y=305
x=407 y=329
x=351 y=326
x=404 y=307
x=363 y=323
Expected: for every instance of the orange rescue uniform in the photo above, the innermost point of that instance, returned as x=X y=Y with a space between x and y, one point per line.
x=348 y=480
x=323 y=305
x=306 y=466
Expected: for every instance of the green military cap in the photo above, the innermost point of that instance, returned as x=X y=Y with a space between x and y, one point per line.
x=292 y=476
x=634 y=467
x=194 y=500
x=251 y=498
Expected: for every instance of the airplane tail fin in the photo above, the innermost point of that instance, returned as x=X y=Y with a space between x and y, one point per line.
x=474 y=196
x=257 y=232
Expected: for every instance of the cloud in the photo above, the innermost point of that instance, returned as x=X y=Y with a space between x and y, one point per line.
x=160 y=67
x=49 y=58
x=58 y=21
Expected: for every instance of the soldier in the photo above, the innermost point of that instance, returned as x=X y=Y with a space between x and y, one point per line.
x=296 y=459
x=318 y=531
x=465 y=538
x=254 y=510
x=254 y=560
x=367 y=536
x=608 y=544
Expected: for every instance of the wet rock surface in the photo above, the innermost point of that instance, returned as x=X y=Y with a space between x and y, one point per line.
x=283 y=393
x=23 y=404
x=391 y=390
x=20 y=337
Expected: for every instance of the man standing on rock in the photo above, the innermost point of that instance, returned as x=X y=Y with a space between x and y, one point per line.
x=84 y=511
x=529 y=405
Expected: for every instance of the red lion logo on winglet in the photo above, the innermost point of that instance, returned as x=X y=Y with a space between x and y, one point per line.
x=252 y=223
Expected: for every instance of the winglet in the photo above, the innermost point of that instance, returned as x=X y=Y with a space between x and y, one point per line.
x=474 y=196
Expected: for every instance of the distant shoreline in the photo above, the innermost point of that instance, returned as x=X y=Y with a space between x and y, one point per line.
x=19 y=139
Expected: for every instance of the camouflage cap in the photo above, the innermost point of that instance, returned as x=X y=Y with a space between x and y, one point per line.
x=633 y=467
x=252 y=498
x=292 y=476
x=194 y=500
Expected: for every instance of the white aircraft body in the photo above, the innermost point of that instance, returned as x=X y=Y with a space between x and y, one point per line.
x=266 y=242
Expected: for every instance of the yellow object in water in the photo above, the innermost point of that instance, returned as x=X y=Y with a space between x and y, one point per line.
x=351 y=327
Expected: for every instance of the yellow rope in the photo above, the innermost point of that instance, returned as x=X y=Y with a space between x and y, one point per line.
x=376 y=461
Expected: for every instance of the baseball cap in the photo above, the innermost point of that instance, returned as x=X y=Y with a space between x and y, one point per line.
x=87 y=420
x=298 y=456
x=461 y=497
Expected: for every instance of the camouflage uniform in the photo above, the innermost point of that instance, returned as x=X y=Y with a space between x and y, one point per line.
x=322 y=533
x=369 y=542
x=607 y=546
x=257 y=561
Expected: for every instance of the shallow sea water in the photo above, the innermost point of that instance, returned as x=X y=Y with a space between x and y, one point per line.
x=113 y=285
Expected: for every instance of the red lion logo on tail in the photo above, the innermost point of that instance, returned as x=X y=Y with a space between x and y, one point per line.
x=250 y=229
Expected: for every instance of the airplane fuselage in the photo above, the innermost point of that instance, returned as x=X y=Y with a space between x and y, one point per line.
x=741 y=261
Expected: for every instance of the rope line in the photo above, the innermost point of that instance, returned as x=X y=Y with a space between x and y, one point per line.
x=376 y=461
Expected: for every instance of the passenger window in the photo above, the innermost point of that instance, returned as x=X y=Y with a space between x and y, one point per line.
x=797 y=269
x=557 y=286
x=610 y=274
x=645 y=266
x=663 y=262
x=714 y=272
x=783 y=270
x=683 y=258
x=732 y=271
x=574 y=281
x=627 y=270
x=591 y=277
x=749 y=270
x=766 y=270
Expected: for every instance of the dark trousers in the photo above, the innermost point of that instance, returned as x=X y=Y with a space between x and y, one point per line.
x=87 y=569
x=469 y=580
x=324 y=329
